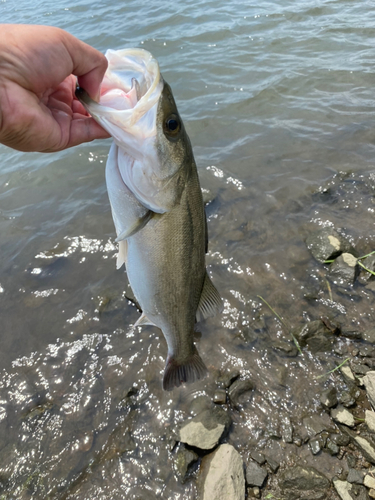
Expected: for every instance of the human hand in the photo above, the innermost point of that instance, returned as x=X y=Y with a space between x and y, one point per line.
x=38 y=108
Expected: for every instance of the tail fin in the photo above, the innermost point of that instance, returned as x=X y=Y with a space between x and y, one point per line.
x=188 y=371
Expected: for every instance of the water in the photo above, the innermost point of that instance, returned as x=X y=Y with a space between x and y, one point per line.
x=278 y=101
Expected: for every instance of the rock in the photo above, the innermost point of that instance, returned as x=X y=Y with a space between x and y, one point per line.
x=199 y=404
x=343 y=416
x=355 y=476
x=221 y=475
x=315 y=445
x=340 y=439
x=369 y=381
x=368 y=262
x=332 y=448
x=319 y=343
x=348 y=398
x=311 y=329
x=347 y=373
x=315 y=424
x=258 y=457
x=226 y=379
x=255 y=475
x=182 y=461
x=328 y=398
x=220 y=396
x=367 y=448
x=344 y=269
x=343 y=488
x=371 y=493
x=360 y=369
x=326 y=243
x=240 y=392
x=301 y=479
x=205 y=429
x=273 y=463
x=286 y=430
x=369 y=481
x=369 y=336
x=370 y=420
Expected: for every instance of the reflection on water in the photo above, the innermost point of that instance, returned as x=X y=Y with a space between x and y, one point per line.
x=278 y=102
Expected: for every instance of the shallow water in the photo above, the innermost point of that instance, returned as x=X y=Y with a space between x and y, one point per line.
x=278 y=102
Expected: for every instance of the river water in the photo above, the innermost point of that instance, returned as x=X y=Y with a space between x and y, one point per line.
x=278 y=101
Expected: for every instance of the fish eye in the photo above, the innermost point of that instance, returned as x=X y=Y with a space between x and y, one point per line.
x=172 y=125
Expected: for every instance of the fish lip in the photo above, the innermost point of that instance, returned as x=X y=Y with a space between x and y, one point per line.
x=83 y=96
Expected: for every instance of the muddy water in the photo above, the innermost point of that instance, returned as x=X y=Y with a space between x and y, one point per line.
x=278 y=103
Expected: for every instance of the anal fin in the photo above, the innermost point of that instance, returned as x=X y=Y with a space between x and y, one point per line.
x=210 y=302
x=122 y=254
x=143 y=320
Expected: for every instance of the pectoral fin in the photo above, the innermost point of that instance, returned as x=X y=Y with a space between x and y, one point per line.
x=135 y=227
x=210 y=302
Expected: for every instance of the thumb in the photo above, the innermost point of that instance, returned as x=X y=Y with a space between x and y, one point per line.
x=89 y=65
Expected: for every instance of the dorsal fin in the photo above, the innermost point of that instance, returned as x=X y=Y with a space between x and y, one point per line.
x=210 y=302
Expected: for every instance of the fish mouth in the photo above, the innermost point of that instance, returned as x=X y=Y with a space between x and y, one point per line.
x=130 y=91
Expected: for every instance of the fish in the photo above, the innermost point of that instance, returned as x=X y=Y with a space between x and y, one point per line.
x=157 y=206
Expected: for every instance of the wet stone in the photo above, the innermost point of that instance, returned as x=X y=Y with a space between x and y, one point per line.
x=302 y=479
x=368 y=262
x=326 y=243
x=340 y=439
x=240 y=392
x=273 y=464
x=344 y=270
x=226 y=379
x=311 y=329
x=360 y=369
x=182 y=461
x=288 y=348
x=315 y=424
x=328 y=398
x=200 y=404
x=348 y=398
x=221 y=475
x=319 y=343
x=315 y=445
x=343 y=416
x=347 y=373
x=258 y=457
x=205 y=429
x=332 y=448
x=220 y=396
x=355 y=476
x=255 y=475
x=369 y=381
x=369 y=336
x=286 y=430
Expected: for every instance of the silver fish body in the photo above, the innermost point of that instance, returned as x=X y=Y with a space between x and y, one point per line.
x=159 y=216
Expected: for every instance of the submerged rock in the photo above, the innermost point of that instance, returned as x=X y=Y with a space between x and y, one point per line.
x=240 y=392
x=221 y=475
x=205 y=429
x=344 y=270
x=182 y=461
x=326 y=243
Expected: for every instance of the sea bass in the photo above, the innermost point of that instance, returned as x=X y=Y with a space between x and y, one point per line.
x=157 y=206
